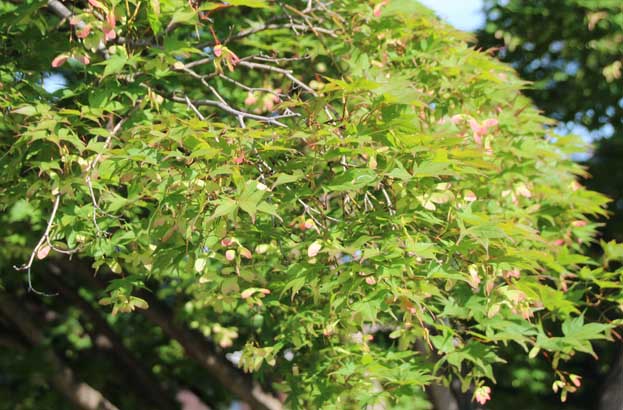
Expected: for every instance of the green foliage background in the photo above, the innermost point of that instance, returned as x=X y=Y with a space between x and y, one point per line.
x=571 y=50
x=407 y=193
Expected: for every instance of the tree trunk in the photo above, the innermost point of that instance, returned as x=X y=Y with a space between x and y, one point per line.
x=145 y=382
x=442 y=397
x=612 y=393
x=196 y=347
x=204 y=353
x=79 y=393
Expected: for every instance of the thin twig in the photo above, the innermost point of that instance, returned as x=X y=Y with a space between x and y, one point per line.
x=63 y=12
x=195 y=110
x=308 y=8
x=291 y=25
x=285 y=72
x=388 y=201
x=309 y=211
x=44 y=238
x=229 y=109
x=253 y=89
x=216 y=94
x=91 y=167
x=279 y=59
x=59 y=250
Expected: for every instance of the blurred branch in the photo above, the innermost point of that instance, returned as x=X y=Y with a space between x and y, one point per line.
x=42 y=241
x=79 y=393
x=204 y=354
x=148 y=385
x=286 y=73
x=91 y=167
x=230 y=110
x=195 y=345
x=292 y=26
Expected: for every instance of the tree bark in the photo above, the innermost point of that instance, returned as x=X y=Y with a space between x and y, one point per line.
x=612 y=394
x=145 y=382
x=204 y=353
x=79 y=393
x=442 y=397
x=196 y=347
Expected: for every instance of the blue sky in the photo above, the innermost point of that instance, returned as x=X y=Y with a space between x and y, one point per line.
x=463 y=14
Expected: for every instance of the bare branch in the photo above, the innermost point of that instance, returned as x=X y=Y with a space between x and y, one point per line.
x=287 y=73
x=388 y=201
x=196 y=63
x=63 y=12
x=59 y=250
x=229 y=109
x=279 y=59
x=308 y=8
x=292 y=25
x=91 y=167
x=44 y=238
x=216 y=94
x=252 y=89
x=81 y=395
x=195 y=110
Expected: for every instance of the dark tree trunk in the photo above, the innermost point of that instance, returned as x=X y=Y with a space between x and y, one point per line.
x=79 y=393
x=204 y=354
x=144 y=381
x=612 y=393
x=442 y=397
x=196 y=347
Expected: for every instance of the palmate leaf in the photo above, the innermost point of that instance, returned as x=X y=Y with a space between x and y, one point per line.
x=352 y=180
x=358 y=185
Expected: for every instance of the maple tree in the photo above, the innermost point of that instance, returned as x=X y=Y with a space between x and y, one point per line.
x=312 y=204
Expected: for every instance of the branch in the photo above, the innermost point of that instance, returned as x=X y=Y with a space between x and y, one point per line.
x=239 y=114
x=63 y=12
x=43 y=240
x=79 y=393
x=253 y=89
x=308 y=8
x=293 y=26
x=388 y=201
x=91 y=167
x=279 y=59
x=203 y=352
x=283 y=71
x=146 y=382
x=251 y=65
x=195 y=345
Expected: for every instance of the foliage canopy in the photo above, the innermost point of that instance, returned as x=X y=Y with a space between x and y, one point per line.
x=571 y=50
x=344 y=193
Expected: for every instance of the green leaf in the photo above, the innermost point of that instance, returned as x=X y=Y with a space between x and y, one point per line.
x=250 y=198
x=183 y=16
x=352 y=180
x=26 y=110
x=227 y=207
x=249 y=3
x=153 y=16
x=269 y=208
x=287 y=178
x=114 y=65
